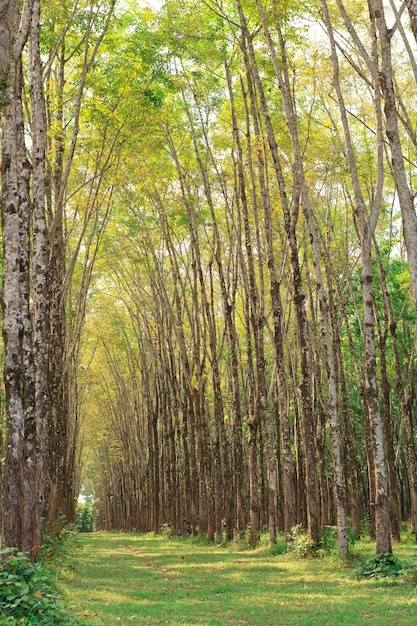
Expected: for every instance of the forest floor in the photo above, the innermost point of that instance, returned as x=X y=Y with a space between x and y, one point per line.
x=142 y=579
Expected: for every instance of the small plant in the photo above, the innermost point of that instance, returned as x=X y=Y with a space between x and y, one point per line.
x=277 y=548
x=328 y=542
x=365 y=527
x=59 y=544
x=299 y=542
x=382 y=565
x=329 y=539
x=167 y=531
x=27 y=595
x=352 y=536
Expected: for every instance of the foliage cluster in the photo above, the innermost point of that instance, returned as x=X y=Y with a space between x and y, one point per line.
x=167 y=530
x=380 y=566
x=28 y=594
x=85 y=517
x=386 y=565
x=299 y=543
x=58 y=546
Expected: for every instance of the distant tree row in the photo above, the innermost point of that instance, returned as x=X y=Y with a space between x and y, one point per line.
x=56 y=162
x=209 y=266
x=256 y=367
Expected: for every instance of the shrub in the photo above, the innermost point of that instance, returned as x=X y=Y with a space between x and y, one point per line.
x=299 y=542
x=277 y=548
x=59 y=544
x=380 y=566
x=27 y=594
x=167 y=531
x=329 y=538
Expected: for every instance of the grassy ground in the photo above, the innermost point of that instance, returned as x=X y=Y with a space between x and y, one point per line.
x=143 y=579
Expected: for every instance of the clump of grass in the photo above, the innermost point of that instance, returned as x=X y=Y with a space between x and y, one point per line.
x=280 y=547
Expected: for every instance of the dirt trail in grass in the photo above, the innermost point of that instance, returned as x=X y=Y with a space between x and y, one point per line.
x=155 y=566
x=142 y=579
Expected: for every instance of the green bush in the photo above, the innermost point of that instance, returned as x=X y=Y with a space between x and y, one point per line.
x=58 y=546
x=380 y=566
x=167 y=531
x=278 y=548
x=27 y=594
x=329 y=539
x=299 y=542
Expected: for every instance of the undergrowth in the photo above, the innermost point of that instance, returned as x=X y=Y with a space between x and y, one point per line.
x=28 y=594
x=386 y=565
x=381 y=565
x=299 y=543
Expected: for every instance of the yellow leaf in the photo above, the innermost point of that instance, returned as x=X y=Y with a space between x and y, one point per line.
x=38 y=594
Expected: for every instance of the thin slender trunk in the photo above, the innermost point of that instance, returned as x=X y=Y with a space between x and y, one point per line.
x=366 y=228
x=387 y=415
x=405 y=195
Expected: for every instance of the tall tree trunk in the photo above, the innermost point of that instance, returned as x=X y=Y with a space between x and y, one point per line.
x=348 y=427
x=12 y=319
x=20 y=527
x=366 y=230
x=405 y=195
x=395 y=515
x=41 y=294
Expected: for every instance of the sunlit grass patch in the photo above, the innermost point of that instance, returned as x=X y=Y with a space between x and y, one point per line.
x=143 y=579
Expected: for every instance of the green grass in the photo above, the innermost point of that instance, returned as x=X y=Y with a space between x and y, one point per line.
x=143 y=579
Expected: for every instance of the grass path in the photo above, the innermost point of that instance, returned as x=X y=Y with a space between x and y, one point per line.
x=143 y=579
